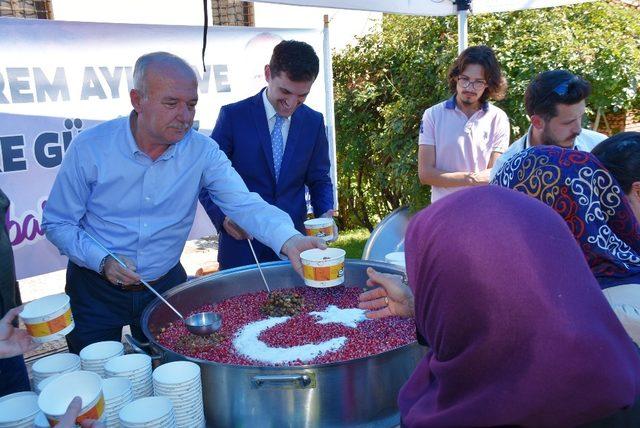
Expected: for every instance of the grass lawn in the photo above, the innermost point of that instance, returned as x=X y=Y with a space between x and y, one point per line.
x=352 y=241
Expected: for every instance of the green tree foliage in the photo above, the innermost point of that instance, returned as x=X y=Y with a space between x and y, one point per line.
x=385 y=82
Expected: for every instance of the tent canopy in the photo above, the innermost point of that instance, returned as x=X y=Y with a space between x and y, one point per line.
x=433 y=8
x=429 y=7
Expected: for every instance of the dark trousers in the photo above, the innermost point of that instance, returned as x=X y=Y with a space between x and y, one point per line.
x=100 y=310
x=13 y=376
x=233 y=253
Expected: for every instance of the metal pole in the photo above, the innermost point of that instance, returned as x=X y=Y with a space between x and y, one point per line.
x=463 y=7
x=462 y=30
x=330 y=115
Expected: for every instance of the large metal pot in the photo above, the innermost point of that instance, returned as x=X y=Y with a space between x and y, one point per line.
x=355 y=393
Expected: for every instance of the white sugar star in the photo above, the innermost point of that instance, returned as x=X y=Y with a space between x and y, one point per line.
x=348 y=317
x=247 y=343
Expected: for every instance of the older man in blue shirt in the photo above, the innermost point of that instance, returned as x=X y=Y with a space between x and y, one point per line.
x=132 y=183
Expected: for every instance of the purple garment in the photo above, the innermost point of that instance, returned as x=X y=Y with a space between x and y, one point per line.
x=520 y=331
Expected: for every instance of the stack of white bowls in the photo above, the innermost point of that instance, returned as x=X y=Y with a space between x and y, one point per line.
x=118 y=393
x=54 y=364
x=136 y=367
x=180 y=382
x=156 y=412
x=95 y=356
x=18 y=410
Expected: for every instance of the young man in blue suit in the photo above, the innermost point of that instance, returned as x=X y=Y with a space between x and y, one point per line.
x=277 y=145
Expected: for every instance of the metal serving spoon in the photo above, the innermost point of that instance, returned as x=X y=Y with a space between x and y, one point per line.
x=201 y=324
x=258 y=263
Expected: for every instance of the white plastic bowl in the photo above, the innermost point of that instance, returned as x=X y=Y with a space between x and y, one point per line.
x=41 y=420
x=116 y=387
x=177 y=373
x=18 y=409
x=175 y=388
x=57 y=395
x=46 y=381
x=323 y=268
x=48 y=318
x=54 y=364
x=146 y=410
x=129 y=364
x=182 y=397
x=321 y=227
x=101 y=351
x=397 y=259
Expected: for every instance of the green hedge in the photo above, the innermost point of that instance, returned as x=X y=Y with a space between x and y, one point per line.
x=385 y=82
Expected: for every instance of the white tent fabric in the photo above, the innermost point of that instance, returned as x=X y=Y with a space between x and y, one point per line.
x=428 y=7
x=433 y=8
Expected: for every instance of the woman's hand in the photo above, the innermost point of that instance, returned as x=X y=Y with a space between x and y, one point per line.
x=14 y=341
x=391 y=297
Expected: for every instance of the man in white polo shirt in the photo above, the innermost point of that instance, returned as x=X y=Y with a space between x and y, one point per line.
x=461 y=138
x=555 y=102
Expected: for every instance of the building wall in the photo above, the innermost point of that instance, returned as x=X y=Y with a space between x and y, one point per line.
x=35 y=9
x=232 y=12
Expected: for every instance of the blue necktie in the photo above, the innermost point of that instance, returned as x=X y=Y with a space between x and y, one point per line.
x=277 y=144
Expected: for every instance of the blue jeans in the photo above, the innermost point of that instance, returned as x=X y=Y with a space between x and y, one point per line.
x=13 y=376
x=100 y=310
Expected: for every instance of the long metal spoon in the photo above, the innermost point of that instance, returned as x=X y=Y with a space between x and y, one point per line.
x=258 y=263
x=201 y=324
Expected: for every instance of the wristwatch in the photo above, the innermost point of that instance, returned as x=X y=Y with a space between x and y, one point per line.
x=101 y=267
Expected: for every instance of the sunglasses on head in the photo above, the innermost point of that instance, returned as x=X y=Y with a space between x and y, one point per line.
x=563 y=88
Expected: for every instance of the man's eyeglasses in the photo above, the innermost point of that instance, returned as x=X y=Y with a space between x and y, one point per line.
x=476 y=84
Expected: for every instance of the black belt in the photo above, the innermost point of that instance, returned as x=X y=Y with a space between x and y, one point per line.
x=135 y=287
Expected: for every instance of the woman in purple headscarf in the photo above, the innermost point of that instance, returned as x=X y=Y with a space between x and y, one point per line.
x=597 y=209
x=519 y=330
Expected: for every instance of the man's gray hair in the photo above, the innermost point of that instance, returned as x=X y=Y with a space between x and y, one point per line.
x=155 y=58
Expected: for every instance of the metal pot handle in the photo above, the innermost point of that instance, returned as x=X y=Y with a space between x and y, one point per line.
x=297 y=381
x=138 y=347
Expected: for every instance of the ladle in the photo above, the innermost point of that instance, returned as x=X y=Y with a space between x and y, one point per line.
x=201 y=323
x=258 y=263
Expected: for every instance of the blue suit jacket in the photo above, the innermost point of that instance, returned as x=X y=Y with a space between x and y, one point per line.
x=242 y=132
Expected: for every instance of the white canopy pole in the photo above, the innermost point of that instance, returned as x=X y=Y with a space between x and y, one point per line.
x=463 y=7
x=330 y=115
x=463 y=30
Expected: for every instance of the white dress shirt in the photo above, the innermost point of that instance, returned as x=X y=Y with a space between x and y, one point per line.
x=271 y=118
